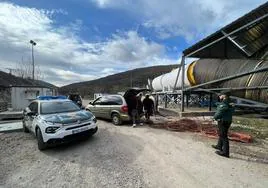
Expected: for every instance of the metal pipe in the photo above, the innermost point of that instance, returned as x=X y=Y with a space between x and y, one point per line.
x=238 y=98
x=234 y=89
x=236 y=44
x=179 y=70
x=249 y=101
x=182 y=81
x=33 y=44
x=228 y=78
x=227 y=35
x=33 y=60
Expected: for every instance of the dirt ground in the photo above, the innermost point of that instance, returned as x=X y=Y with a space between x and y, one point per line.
x=121 y=156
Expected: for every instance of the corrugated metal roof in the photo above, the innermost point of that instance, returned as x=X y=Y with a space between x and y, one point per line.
x=245 y=43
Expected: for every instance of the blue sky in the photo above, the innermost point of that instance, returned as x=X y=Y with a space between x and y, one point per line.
x=80 y=40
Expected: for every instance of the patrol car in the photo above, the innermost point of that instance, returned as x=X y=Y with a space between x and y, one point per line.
x=56 y=119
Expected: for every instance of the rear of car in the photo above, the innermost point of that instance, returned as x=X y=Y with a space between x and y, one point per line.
x=57 y=120
x=112 y=107
x=76 y=98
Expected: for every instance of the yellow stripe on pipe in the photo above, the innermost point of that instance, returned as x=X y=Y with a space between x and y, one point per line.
x=190 y=73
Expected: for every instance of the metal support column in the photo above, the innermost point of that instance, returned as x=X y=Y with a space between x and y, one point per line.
x=182 y=81
x=187 y=100
x=179 y=70
x=210 y=101
x=33 y=61
x=165 y=97
x=156 y=102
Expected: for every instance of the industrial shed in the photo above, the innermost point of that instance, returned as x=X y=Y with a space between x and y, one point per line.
x=233 y=58
x=16 y=93
x=243 y=41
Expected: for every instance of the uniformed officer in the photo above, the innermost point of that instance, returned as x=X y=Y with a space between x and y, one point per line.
x=148 y=105
x=223 y=116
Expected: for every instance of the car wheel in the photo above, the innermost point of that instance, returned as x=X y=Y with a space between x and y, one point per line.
x=41 y=144
x=25 y=129
x=116 y=119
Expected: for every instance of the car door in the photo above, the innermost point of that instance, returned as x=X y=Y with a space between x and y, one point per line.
x=94 y=107
x=30 y=117
x=102 y=107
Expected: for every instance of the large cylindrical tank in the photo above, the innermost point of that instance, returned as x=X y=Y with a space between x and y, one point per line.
x=258 y=79
x=206 y=70
x=167 y=81
x=157 y=83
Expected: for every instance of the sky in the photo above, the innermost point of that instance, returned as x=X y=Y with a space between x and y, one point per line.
x=82 y=40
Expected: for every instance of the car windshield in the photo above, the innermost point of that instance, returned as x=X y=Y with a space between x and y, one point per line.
x=58 y=107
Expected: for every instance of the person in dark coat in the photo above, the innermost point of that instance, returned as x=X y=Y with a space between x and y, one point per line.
x=148 y=107
x=223 y=116
x=135 y=109
x=140 y=105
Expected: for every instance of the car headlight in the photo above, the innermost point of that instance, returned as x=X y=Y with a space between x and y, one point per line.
x=51 y=130
x=94 y=119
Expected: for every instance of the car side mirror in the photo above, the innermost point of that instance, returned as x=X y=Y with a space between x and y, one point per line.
x=31 y=113
x=28 y=112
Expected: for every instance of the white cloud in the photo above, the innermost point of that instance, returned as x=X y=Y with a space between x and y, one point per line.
x=61 y=77
x=192 y=19
x=111 y=3
x=61 y=54
x=108 y=71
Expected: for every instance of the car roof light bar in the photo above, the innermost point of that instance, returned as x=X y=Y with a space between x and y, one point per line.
x=51 y=97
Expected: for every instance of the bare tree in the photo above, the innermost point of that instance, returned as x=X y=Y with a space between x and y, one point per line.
x=24 y=70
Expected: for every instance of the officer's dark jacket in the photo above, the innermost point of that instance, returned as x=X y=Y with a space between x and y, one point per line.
x=148 y=103
x=224 y=111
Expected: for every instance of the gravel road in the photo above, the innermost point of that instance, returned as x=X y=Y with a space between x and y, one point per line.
x=125 y=157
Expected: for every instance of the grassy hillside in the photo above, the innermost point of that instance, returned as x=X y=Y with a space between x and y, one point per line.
x=117 y=82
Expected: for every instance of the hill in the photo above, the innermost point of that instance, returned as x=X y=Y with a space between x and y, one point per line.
x=117 y=82
x=7 y=80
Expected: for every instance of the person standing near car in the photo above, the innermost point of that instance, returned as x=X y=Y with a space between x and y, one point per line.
x=148 y=107
x=140 y=106
x=223 y=116
x=133 y=110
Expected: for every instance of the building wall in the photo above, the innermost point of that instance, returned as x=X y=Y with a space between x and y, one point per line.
x=22 y=96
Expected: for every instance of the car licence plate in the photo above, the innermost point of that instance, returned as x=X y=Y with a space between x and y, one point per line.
x=80 y=130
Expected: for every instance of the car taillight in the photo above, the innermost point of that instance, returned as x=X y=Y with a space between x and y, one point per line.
x=124 y=108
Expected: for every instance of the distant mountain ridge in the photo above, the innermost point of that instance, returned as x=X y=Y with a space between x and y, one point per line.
x=7 y=80
x=118 y=82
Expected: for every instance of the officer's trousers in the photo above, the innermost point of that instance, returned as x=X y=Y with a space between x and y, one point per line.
x=223 y=142
x=135 y=116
